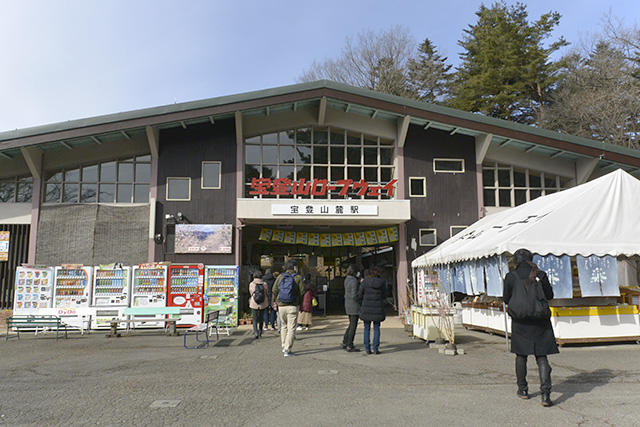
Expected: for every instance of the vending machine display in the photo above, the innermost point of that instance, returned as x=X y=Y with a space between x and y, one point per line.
x=111 y=290
x=149 y=286
x=72 y=286
x=221 y=289
x=149 y=289
x=33 y=289
x=186 y=288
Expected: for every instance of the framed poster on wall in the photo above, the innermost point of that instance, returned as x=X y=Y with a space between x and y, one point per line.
x=203 y=238
x=4 y=245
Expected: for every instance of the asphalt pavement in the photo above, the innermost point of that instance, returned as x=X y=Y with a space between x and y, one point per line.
x=147 y=379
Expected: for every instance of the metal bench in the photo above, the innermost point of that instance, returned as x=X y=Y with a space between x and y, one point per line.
x=225 y=320
x=146 y=314
x=210 y=322
x=34 y=322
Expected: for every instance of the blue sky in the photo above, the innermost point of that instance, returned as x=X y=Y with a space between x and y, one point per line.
x=69 y=59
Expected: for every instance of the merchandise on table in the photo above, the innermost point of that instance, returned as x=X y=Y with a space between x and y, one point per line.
x=221 y=289
x=186 y=288
x=111 y=291
x=72 y=286
x=33 y=289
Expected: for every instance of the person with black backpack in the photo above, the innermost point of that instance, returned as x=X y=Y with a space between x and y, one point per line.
x=527 y=292
x=257 y=302
x=286 y=294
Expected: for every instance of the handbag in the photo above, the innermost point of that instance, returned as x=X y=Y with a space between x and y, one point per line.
x=314 y=302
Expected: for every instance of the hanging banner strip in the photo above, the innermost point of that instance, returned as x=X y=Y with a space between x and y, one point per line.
x=326 y=240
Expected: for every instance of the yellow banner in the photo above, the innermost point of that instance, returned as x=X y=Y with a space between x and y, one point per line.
x=278 y=236
x=265 y=234
x=328 y=240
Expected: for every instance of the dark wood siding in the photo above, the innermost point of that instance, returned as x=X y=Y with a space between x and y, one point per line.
x=182 y=152
x=18 y=254
x=452 y=199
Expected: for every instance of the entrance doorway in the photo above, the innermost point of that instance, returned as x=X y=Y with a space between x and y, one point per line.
x=325 y=267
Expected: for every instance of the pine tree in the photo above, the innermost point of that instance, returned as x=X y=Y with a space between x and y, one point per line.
x=428 y=74
x=506 y=71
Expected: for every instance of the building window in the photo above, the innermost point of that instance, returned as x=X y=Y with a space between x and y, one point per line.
x=506 y=186
x=211 y=175
x=448 y=165
x=118 y=181
x=455 y=229
x=321 y=153
x=16 y=189
x=428 y=237
x=417 y=187
x=179 y=189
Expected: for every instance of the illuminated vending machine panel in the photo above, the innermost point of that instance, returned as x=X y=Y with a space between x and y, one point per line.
x=72 y=286
x=149 y=286
x=111 y=291
x=149 y=289
x=221 y=289
x=33 y=289
x=186 y=288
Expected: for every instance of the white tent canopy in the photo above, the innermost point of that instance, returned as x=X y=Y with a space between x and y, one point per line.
x=600 y=217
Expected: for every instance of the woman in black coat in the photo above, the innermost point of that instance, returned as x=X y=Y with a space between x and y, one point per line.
x=372 y=294
x=531 y=336
x=351 y=307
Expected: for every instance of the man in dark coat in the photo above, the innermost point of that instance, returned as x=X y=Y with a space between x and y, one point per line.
x=531 y=336
x=372 y=294
x=351 y=307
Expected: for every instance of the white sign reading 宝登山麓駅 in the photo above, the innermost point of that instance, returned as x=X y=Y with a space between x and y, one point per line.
x=322 y=209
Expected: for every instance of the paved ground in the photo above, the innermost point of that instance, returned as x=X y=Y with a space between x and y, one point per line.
x=146 y=379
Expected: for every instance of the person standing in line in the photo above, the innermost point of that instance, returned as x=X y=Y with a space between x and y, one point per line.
x=372 y=294
x=287 y=291
x=257 y=302
x=351 y=307
x=530 y=336
x=305 y=319
x=269 y=313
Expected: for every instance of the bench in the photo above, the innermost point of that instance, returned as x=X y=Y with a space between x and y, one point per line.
x=146 y=314
x=36 y=322
x=210 y=322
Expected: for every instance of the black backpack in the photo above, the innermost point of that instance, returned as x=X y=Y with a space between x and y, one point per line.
x=287 y=291
x=258 y=293
x=527 y=299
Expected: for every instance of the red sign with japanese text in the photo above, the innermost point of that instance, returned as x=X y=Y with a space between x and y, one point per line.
x=317 y=187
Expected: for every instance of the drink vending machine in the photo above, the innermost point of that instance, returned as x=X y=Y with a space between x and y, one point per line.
x=186 y=289
x=149 y=289
x=111 y=291
x=221 y=289
x=72 y=287
x=33 y=289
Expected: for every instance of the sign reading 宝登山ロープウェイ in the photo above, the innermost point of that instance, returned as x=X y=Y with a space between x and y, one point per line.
x=319 y=187
x=4 y=245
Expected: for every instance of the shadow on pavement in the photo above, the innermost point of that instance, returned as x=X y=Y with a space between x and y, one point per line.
x=583 y=382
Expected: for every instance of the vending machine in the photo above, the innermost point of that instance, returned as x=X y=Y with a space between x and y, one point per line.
x=72 y=287
x=149 y=289
x=111 y=291
x=186 y=289
x=221 y=289
x=33 y=289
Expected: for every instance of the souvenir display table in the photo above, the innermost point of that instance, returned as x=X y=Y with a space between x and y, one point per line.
x=427 y=322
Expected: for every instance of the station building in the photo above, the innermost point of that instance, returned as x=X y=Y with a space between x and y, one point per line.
x=318 y=171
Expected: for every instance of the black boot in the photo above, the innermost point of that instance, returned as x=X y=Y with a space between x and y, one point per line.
x=521 y=376
x=545 y=380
